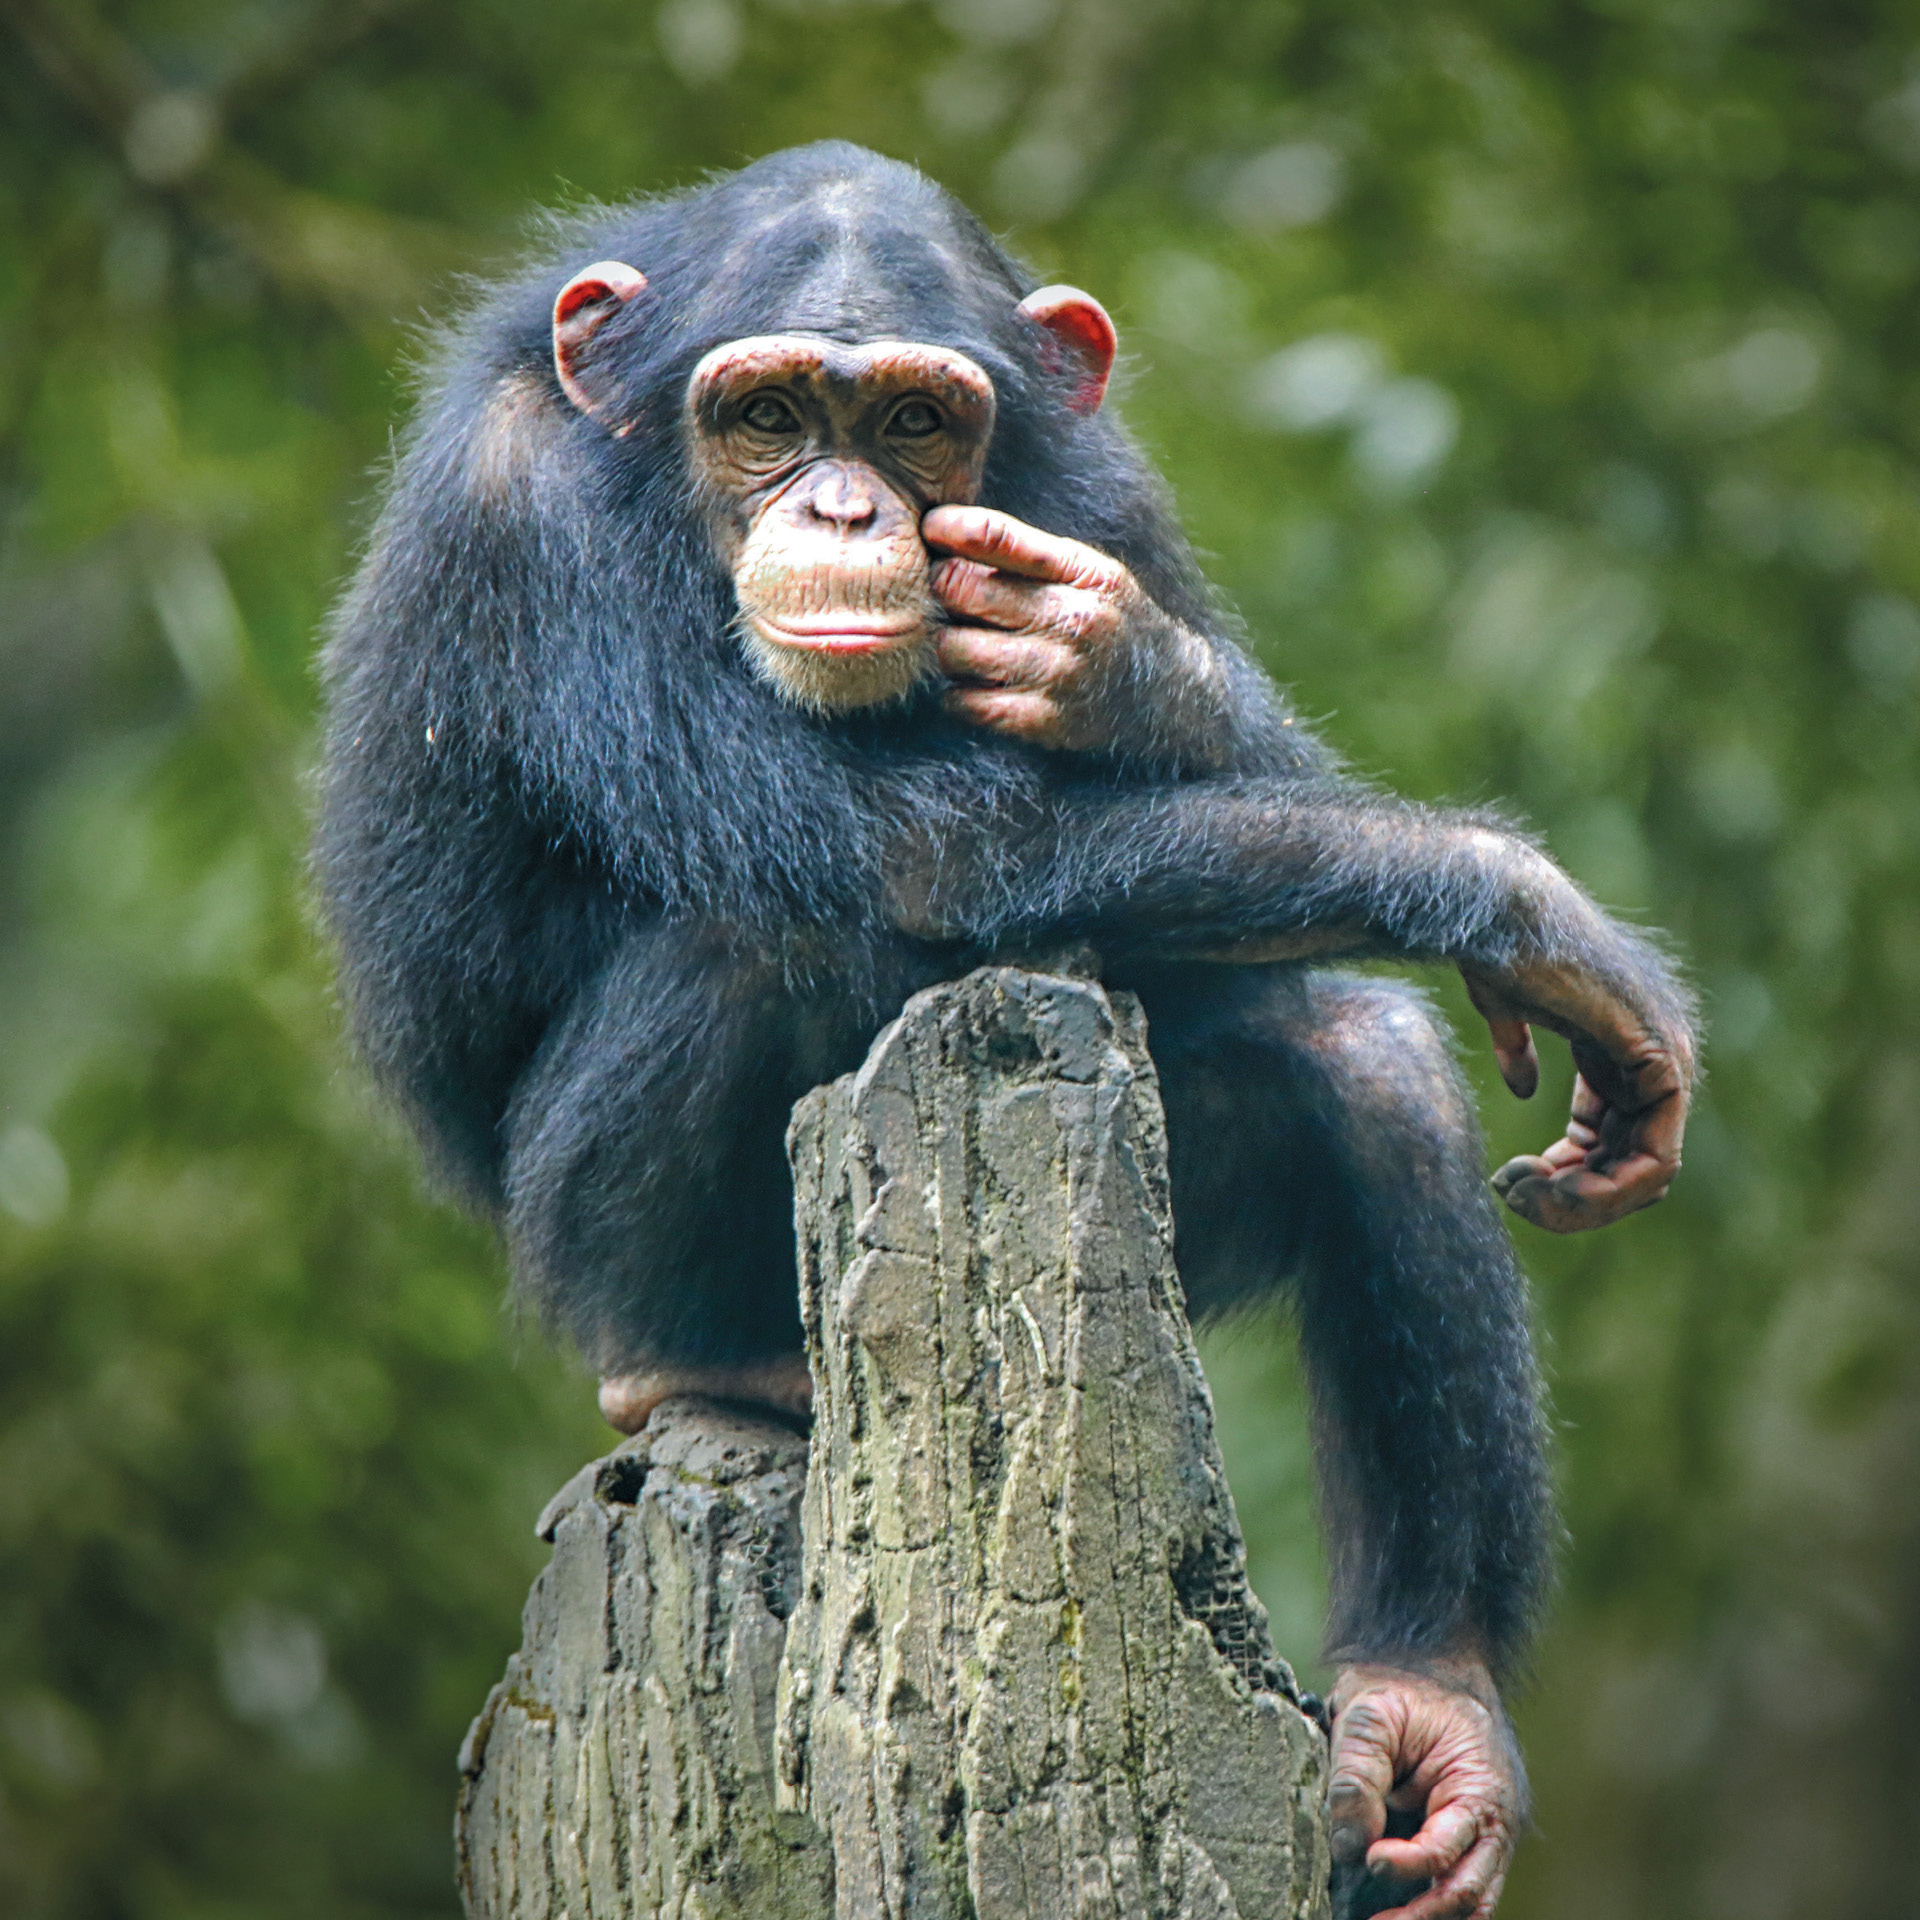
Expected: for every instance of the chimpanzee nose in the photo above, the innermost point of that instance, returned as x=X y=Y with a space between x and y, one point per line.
x=843 y=498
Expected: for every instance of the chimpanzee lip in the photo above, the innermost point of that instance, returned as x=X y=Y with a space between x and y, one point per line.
x=842 y=632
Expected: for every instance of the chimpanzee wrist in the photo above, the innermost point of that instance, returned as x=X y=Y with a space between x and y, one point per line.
x=1529 y=912
x=1456 y=1673
x=1551 y=925
x=1173 y=707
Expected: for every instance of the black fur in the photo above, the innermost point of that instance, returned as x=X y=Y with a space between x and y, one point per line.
x=606 y=906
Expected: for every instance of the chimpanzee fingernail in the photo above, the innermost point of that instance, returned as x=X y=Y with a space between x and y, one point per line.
x=1379 y=1869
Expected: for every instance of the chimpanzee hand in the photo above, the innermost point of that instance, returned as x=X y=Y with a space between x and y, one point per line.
x=1437 y=1746
x=1636 y=1061
x=1055 y=634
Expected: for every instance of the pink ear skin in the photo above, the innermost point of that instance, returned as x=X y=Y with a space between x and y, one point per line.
x=585 y=304
x=1082 y=336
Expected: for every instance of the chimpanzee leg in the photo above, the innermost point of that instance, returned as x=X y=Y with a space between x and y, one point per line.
x=1320 y=1135
x=648 y=1201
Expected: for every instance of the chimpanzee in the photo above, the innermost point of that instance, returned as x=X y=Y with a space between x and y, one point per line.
x=765 y=621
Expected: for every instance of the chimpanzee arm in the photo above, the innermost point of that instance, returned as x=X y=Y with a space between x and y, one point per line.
x=461 y=931
x=1276 y=869
x=1264 y=869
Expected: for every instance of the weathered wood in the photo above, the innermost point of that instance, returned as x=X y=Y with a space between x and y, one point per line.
x=624 y=1765
x=1023 y=1675
x=1026 y=1676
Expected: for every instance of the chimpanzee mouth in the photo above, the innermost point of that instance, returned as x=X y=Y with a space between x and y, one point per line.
x=839 y=659
x=843 y=631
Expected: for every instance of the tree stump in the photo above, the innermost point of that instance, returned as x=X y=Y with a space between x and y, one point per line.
x=624 y=1765
x=1002 y=1662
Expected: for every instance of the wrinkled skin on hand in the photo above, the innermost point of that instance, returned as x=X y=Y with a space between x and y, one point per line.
x=1437 y=1744
x=1047 y=631
x=1621 y=1148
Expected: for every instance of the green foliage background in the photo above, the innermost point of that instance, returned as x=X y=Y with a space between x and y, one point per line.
x=1594 y=487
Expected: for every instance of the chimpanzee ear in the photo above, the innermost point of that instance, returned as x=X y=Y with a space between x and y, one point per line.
x=585 y=304
x=1082 y=337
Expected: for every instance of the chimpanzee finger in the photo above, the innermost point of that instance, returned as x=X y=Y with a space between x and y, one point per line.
x=1463 y=1892
x=1514 y=1050
x=1522 y=1167
x=1579 y=1146
x=999 y=540
x=977 y=593
x=1490 y=1898
x=1632 y=1069
x=1578 y=1198
x=1561 y=1200
x=1444 y=1836
x=1659 y=1130
x=1023 y=716
x=1362 y=1777
x=1002 y=659
x=1588 y=1107
x=1574 y=1146
x=1633 y=1181
x=1512 y=1038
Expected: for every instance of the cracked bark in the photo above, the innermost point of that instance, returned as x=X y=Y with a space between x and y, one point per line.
x=1015 y=1672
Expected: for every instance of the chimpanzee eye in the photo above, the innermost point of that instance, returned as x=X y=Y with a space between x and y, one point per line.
x=916 y=420
x=768 y=413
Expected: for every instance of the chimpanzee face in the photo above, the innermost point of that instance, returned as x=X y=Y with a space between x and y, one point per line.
x=814 y=461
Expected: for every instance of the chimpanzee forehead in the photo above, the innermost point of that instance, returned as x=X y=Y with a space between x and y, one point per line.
x=855 y=251
x=845 y=286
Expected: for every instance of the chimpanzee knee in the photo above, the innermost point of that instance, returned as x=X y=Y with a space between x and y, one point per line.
x=1393 y=1093
x=1301 y=1107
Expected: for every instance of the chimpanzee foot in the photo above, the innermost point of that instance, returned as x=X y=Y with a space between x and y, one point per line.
x=628 y=1399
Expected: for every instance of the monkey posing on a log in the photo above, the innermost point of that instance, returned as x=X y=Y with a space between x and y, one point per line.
x=765 y=622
